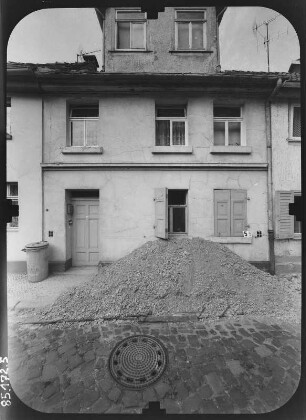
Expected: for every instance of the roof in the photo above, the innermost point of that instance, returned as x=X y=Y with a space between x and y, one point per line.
x=64 y=68
x=83 y=77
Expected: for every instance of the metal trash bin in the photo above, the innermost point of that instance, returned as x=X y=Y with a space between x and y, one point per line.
x=37 y=261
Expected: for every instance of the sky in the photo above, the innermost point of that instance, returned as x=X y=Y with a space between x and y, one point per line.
x=52 y=35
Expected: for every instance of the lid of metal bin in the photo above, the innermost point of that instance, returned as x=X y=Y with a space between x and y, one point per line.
x=37 y=245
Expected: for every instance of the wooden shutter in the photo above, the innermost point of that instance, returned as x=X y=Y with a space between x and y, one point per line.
x=222 y=212
x=284 y=222
x=161 y=212
x=238 y=212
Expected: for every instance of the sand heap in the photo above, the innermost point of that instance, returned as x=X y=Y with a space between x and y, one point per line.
x=183 y=275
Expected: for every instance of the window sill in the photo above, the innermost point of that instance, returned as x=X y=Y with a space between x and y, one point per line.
x=231 y=239
x=294 y=139
x=172 y=149
x=130 y=51
x=239 y=150
x=82 y=150
x=190 y=51
x=12 y=229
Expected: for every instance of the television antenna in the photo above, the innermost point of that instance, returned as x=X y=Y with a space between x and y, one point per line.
x=266 y=37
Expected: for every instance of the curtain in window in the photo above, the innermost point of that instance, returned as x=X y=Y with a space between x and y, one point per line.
x=162 y=133
x=178 y=133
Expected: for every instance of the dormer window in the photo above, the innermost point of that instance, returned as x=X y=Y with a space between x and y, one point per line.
x=190 y=30
x=84 y=121
x=130 y=30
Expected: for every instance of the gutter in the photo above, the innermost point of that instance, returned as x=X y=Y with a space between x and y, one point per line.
x=276 y=89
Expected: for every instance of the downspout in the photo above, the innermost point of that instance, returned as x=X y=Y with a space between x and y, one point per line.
x=279 y=84
x=101 y=17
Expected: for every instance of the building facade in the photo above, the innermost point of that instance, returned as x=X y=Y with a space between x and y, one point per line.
x=159 y=144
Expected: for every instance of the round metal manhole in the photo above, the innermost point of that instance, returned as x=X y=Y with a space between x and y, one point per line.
x=138 y=361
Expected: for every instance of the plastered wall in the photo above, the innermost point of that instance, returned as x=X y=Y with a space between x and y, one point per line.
x=286 y=157
x=127 y=207
x=24 y=153
x=160 y=57
x=127 y=130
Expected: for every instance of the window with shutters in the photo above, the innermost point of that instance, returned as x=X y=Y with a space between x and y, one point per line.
x=130 y=30
x=230 y=212
x=170 y=212
x=171 y=126
x=286 y=225
x=295 y=122
x=190 y=30
x=12 y=194
x=228 y=128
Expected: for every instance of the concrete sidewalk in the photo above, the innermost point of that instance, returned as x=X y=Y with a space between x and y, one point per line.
x=22 y=294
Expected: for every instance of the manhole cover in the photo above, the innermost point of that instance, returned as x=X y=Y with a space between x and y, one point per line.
x=138 y=361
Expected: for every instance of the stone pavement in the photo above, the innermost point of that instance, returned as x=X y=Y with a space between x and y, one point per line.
x=244 y=366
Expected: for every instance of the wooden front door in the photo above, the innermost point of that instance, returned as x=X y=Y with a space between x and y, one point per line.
x=85 y=238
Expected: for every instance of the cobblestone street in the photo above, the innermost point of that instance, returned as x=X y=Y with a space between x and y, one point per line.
x=246 y=366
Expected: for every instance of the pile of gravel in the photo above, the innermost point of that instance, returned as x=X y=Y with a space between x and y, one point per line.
x=183 y=275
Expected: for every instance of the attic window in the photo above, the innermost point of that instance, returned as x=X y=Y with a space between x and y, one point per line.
x=130 y=30
x=190 y=30
x=84 y=122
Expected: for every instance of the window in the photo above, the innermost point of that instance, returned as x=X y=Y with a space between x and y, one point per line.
x=84 y=125
x=171 y=126
x=190 y=30
x=8 y=119
x=130 y=30
x=227 y=126
x=170 y=212
x=12 y=194
x=286 y=225
x=295 y=122
x=230 y=212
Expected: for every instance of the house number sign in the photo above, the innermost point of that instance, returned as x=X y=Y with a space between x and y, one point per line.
x=4 y=383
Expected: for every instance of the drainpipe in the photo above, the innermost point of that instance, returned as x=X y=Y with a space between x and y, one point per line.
x=279 y=84
x=101 y=17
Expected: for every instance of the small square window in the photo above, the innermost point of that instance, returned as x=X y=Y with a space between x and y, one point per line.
x=84 y=120
x=227 y=126
x=190 y=30
x=130 y=30
x=171 y=126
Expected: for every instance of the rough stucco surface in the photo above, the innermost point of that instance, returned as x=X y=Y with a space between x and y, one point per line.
x=286 y=172
x=127 y=207
x=24 y=153
x=160 y=40
x=127 y=131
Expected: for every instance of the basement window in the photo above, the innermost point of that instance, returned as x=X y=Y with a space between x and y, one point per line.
x=84 y=120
